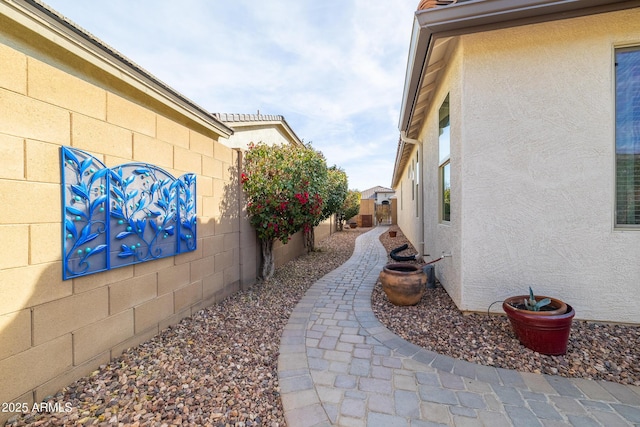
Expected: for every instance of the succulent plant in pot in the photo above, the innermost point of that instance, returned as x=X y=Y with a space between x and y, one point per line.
x=539 y=322
x=533 y=305
x=544 y=306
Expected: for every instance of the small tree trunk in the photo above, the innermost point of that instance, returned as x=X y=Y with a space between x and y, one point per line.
x=267 y=266
x=310 y=240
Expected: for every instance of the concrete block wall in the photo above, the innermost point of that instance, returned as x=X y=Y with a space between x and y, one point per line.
x=295 y=247
x=394 y=211
x=326 y=228
x=54 y=331
x=367 y=207
x=53 y=93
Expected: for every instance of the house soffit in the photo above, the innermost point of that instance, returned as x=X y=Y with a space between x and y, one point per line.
x=436 y=64
x=436 y=31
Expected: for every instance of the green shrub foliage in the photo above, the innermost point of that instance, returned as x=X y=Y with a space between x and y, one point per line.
x=285 y=186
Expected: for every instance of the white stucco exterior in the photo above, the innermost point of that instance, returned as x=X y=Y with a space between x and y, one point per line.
x=407 y=207
x=243 y=136
x=383 y=197
x=532 y=169
x=256 y=128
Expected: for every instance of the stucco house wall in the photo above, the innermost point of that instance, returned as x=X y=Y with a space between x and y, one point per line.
x=545 y=145
x=419 y=210
x=383 y=197
x=260 y=133
x=407 y=206
x=249 y=129
x=533 y=169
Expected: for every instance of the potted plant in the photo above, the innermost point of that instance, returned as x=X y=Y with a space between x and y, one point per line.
x=540 y=323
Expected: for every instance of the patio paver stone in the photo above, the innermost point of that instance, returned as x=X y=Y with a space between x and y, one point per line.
x=339 y=365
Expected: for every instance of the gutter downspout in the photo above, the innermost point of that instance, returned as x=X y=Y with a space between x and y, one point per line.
x=407 y=140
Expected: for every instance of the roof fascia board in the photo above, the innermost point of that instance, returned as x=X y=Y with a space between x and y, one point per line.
x=291 y=133
x=37 y=18
x=396 y=165
x=483 y=15
x=403 y=149
x=282 y=124
x=418 y=48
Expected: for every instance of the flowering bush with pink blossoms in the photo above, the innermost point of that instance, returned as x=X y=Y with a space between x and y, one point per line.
x=285 y=186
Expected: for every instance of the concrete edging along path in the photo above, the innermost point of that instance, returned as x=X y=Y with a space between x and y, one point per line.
x=339 y=365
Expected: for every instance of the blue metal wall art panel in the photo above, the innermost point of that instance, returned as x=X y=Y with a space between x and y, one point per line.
x=124 y=215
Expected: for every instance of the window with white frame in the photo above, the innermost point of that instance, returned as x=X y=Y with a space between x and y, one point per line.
x=413 y=180
x=417 y=186
x=628 y=137
x=444 y=152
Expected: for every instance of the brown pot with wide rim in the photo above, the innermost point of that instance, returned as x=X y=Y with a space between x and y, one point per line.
x=404 y=284
x=556 y=306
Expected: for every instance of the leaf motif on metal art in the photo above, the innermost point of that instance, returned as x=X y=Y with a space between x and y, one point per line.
x=123 y=215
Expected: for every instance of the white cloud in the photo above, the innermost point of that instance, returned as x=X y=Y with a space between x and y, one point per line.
x=334 y=69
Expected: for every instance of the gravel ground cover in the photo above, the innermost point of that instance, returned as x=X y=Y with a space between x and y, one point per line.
x=595 y=351
x=216 y=368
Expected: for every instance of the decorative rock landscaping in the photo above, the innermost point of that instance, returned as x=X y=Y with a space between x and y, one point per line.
x=217 y=368
x=596 y=350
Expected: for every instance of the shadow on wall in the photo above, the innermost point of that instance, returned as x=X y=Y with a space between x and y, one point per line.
x=233 y=216
x=54 y=331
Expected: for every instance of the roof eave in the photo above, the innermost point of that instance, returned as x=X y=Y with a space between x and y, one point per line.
x=482 y=15
x=278 y=121
x=395 y=177
x=291 y=133
x=475 y=16
x=418 y=50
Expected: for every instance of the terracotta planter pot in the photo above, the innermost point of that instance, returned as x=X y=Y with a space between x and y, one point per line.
x=539 y=330
x=403 y=283
x=392 y=234
x=554 y=307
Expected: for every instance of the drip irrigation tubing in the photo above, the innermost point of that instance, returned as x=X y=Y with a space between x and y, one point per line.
x=394 y=255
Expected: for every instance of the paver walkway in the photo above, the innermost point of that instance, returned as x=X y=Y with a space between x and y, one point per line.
x=339 y=366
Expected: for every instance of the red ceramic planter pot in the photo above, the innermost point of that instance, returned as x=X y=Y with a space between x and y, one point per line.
x=546 y=334
x=403 y=283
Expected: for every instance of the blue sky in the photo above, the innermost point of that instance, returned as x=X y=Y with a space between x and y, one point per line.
x=333 y=68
